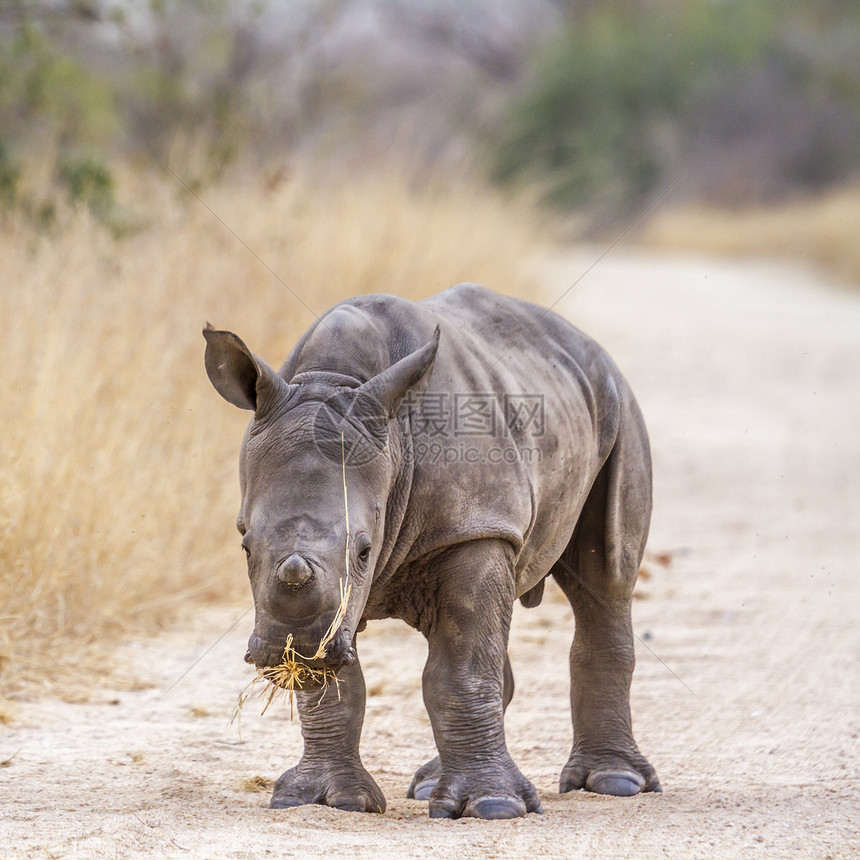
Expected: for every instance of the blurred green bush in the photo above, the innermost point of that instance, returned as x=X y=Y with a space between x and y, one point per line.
x=73 y=100
x=87 y=181
x=49 y=97
x=9 y=175
x=764 y=97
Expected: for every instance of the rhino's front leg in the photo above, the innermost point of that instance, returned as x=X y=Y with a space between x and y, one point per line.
x=473 y=591
x=427 y=775
x=330 y=771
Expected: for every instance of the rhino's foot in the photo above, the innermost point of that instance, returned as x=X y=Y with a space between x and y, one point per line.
x=622 y=776
x=425 y=780
x=349 y=788
x=502 y=793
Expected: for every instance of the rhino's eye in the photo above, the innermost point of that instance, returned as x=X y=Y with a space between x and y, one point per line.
x=363 y=549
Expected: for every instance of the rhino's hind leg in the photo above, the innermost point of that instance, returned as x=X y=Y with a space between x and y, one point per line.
x=427 y=775
x=330 y=771
x=597 y=572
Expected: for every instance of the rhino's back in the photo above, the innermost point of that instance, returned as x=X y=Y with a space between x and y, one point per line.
x=526 y=483
x=525 y=337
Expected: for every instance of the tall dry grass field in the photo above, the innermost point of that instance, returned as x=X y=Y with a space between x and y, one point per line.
x=823 y=230
x=119 y=489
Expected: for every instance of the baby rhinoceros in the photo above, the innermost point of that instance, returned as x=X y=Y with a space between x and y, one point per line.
x=486 y=444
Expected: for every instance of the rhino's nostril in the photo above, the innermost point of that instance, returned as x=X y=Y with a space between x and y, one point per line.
x=294 y=571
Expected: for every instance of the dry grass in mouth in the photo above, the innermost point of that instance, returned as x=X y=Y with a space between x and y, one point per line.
x=290 y=675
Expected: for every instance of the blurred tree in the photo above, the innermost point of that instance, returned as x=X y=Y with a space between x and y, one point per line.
x=48 y=94
x=766 y=97
x=218 y=79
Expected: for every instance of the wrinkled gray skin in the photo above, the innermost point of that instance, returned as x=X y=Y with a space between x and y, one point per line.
x=447 y=547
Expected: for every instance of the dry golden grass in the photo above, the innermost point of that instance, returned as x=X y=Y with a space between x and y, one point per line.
x=118 y=459
x=822 y=230
x=256 y=783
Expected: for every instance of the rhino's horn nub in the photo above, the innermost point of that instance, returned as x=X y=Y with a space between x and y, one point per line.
x=294 y=571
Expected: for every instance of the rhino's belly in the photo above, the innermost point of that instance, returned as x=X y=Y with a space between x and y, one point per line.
x=557 y=505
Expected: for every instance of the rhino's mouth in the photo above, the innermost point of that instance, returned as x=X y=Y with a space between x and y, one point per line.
x=266 y=654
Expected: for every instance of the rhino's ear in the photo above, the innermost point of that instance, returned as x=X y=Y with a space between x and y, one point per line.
x=238 y=375
x=390 y=387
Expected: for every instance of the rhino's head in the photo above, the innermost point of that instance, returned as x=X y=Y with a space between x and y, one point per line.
x=302 y=440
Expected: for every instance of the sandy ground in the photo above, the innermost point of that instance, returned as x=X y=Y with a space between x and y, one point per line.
x=745 y=696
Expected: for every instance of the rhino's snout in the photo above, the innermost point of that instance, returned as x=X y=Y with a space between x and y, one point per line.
x=294 y=572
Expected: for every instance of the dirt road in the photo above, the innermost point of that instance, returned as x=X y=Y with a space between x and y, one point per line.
x=746 y=692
